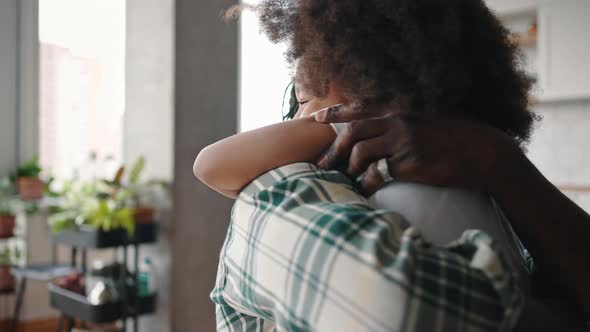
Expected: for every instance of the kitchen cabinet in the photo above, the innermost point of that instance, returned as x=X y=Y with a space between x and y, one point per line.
x=564 y=50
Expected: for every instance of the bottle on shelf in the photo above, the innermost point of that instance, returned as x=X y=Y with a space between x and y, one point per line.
x=146 y=278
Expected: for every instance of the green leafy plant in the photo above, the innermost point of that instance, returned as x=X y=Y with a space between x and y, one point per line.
x=30 y=169
x=154 y=194
x=96 y=204
x=131 y=189
x=106 y=204
x=60 y=221
x=9 y=256
x=49 y=191
x=6 y=186
x=7 y=204
x=6 y=208
x=107 y=215
x=5 y=257
x=136 y=171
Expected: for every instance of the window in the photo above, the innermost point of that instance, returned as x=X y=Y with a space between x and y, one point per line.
x=82 y=86
x=264 y=75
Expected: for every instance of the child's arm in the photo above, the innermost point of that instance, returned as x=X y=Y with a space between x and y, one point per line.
x=230 y=164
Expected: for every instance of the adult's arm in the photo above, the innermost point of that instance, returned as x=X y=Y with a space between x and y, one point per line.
x=555 y=229
x=445 y=151
x=541 y=315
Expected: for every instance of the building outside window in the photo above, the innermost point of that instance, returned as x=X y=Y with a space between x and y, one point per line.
x=82 y=86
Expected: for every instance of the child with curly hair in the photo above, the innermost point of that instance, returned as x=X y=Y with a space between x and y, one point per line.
x=419 y=56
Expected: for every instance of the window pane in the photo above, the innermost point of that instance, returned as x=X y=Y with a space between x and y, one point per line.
x=82 y=45
x=264 y=75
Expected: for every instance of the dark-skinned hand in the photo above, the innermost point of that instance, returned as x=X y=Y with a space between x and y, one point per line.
x=443 y=150
x=431 y=149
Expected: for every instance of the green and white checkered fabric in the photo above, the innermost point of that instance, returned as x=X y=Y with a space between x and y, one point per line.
x=305 y=252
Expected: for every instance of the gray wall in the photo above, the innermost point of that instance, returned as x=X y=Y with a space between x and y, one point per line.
x=206 y=111
x=149 y=76
x=18 y=126
x=149 y=122
x=8 y=85
x=18 y=82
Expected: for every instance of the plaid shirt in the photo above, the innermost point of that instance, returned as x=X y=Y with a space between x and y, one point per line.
x=305 y=252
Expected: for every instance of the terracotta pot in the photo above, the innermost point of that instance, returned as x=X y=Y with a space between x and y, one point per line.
x=7 y=281
x=7 y=226
x=533 y=30
x=30 y=188
x=144 y=215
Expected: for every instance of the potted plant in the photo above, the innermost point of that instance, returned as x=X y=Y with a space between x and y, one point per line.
x=30 y=186
x=7 y=281
x=92 y=205
x=7 y=220
x=109 y=204
x=7 y=213
x=143 y=213
x=137 y=195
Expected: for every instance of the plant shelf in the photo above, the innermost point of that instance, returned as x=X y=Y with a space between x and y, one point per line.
x=75 y=305
x=98 y=239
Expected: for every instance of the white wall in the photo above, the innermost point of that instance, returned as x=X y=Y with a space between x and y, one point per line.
x=560 y=146
x=509 y=6
x=149 y=122
x=148 y=128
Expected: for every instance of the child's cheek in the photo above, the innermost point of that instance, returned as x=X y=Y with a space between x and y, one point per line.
x=311 y=107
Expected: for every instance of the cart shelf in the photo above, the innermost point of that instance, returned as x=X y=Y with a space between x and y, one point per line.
x=76 y=305
x=99 y=239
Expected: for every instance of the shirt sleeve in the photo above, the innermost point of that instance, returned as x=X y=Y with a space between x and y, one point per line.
x=305 y=252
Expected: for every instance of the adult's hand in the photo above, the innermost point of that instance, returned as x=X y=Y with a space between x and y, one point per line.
x=446 y=151
x=429 y=149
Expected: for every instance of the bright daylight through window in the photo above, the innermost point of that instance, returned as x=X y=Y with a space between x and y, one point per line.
x=264 y=75
x=82 y=86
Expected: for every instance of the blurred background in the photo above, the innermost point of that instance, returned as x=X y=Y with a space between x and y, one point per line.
x=104 y=105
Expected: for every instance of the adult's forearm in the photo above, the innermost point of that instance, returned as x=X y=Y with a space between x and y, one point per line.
x=554 y=229
x=538 y=315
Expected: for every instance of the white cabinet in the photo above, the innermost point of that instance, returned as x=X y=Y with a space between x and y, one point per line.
x=564 y=49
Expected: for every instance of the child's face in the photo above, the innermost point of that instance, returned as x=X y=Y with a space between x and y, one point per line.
x=309 y=104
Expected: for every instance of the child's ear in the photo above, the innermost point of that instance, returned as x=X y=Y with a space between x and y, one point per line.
x=335 y=94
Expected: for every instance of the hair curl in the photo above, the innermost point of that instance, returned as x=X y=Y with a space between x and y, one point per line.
x=450 y=56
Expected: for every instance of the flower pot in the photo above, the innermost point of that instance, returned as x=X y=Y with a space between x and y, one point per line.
x=7 y=226
x=144 y=215
x=30 y=188
x=7 y=281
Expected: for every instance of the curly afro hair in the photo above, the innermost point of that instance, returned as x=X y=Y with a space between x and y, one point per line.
x=450 y=56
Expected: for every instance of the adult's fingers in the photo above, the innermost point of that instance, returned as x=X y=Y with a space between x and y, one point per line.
x=348 y=113
x=366 y=152
x=371 y=180
x=354 y=132
x=400 y=167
